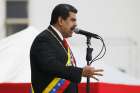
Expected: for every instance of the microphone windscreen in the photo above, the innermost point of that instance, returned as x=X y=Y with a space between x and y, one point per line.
x=76 y=30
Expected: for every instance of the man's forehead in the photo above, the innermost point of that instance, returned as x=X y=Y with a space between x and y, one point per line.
x=72 y=15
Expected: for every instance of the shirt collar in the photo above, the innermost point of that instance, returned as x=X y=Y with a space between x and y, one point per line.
x=59 y=34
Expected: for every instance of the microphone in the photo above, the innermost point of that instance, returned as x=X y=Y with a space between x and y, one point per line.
x=89 y=34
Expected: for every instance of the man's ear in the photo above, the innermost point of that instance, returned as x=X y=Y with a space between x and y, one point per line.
x=60 y=21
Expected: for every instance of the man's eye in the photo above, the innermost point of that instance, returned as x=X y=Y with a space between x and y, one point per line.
x=73 y=19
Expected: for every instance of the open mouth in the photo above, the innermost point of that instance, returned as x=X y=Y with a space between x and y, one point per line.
x=72 y=29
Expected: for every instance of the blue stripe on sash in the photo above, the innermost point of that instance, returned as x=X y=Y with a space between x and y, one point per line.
x=57 y=86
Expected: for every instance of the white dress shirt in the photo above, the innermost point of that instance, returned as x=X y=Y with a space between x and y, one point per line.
x=59 y=34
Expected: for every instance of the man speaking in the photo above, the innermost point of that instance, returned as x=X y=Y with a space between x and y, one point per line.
x=53 y=66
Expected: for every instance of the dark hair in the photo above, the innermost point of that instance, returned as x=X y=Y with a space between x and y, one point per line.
x=61 y=10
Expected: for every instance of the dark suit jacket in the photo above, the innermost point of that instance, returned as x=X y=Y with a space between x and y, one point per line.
x=48 y=60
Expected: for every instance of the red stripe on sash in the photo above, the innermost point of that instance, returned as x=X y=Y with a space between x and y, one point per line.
x=63 y=87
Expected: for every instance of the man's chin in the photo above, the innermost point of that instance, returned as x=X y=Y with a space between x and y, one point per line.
x=70 y=35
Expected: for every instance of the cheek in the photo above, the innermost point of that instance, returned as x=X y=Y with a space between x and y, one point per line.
x=69 y=23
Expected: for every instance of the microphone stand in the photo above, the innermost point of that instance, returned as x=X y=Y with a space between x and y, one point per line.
x=88 y=59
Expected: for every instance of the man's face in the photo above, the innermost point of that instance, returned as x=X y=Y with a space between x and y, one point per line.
x=68 y=25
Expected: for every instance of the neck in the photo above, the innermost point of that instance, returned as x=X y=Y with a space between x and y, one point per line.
x=58 y=28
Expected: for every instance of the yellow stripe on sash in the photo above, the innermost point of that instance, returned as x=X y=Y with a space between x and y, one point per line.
x=68 y=62
x=32 y=88
x=51 y=85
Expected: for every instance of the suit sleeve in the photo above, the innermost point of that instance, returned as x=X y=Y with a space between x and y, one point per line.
x=47 y=62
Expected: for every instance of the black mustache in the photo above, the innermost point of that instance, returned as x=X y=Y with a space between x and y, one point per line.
x=73 y=28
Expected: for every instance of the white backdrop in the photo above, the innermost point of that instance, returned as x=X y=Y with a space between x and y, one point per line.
x=14 y=56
